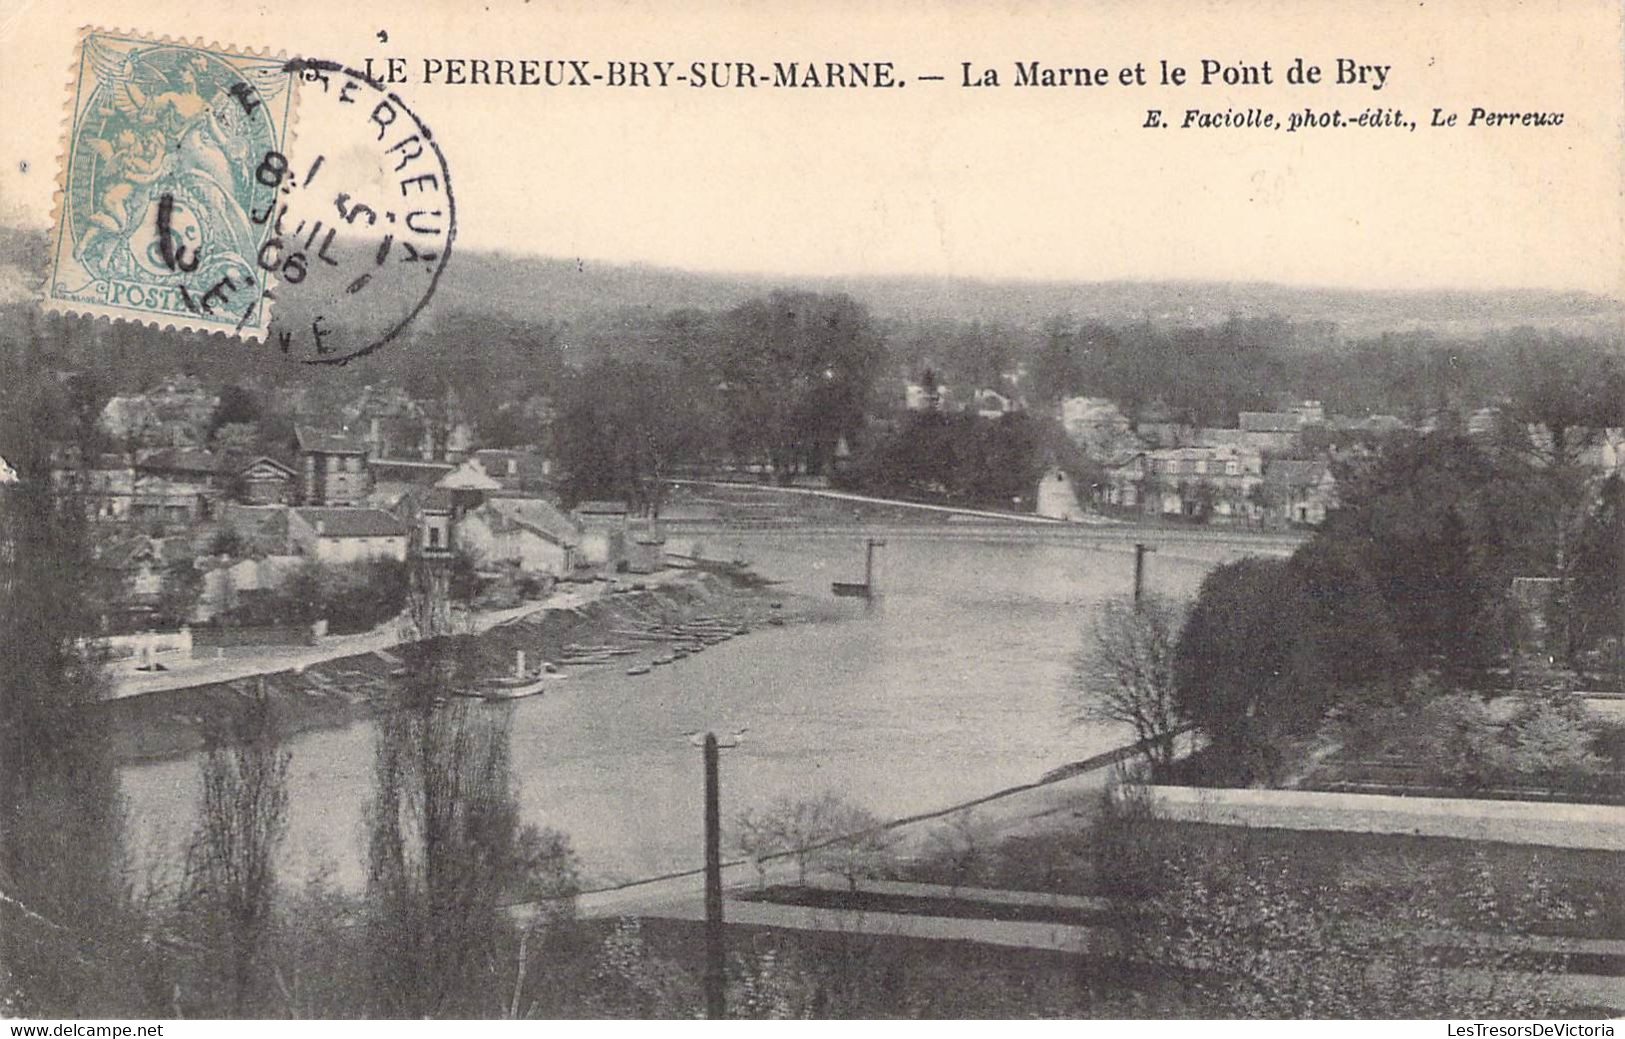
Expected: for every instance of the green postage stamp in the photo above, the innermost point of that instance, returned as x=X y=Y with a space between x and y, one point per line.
x=161 y=211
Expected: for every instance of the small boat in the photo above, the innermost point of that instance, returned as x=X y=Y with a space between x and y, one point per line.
x=511 y=692
x=641 y=669
x=668 y=659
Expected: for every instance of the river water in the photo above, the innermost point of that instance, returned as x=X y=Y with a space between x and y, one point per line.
x=952 y=685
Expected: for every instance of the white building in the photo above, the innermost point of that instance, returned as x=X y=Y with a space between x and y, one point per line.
x=527 y=533
x=340 y=535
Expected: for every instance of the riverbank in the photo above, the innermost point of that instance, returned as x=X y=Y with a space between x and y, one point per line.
x=340 y=690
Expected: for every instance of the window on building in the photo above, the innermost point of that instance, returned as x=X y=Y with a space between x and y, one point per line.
x=434 y=537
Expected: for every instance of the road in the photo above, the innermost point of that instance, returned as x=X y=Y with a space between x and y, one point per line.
x=207 y=670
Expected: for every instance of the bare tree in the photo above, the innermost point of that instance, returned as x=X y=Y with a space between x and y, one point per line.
x=1125 y=673
x=824 y=830
x=787 y=827
x=230 y=862
x=863 y=847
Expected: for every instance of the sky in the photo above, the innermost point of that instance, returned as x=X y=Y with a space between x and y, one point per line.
x=939 y=179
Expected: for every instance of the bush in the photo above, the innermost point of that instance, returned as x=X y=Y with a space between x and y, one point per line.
x=351 y=597
x=360 y=596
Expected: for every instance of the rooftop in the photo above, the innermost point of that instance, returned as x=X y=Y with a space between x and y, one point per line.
x=323 y=442
x=1295 y=473
x=537 y=515
x=180 y=459
x=353 y=523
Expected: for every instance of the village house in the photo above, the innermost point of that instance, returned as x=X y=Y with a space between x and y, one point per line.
x=106 y=486
x=1298 y=492
x=175 y=487
x=529 y=534
x=347 y=535
x=427 y=512
x=261 y=529
x=136 y=570
x=514 y=470
x=333 y=468
x=394 y=477
x=1216 y=483
x=1125 y=477
x=234 y=585
x=265 y=481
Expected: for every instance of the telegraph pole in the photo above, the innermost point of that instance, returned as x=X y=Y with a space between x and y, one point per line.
x=1140 y=549
x=715 y=1001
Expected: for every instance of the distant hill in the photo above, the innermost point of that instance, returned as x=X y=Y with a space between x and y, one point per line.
x=528 y=288
x=539 y=288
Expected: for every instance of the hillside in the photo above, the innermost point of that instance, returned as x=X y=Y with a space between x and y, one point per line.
x=530 y=288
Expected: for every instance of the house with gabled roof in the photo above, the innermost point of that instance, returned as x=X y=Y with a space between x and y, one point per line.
x=525 y=532
x=347 y=535
x=265 y=481
x=1298 y=492
x=175 y=486
x=515 y=470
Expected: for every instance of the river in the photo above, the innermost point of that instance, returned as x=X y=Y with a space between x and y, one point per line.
x=952 y=685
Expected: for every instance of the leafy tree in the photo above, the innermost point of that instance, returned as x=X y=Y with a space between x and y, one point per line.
x=623 y=429
x=1244 y=667
x=237 y=406
x=236 y=440
x=67 y=934
x=180 y=592
x=1356 y=646
x=1598 y=583
x=1441 y=529
x=797 y=369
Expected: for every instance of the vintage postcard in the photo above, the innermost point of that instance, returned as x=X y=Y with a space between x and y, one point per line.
x=835 y=511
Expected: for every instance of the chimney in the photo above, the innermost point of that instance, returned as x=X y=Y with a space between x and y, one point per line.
x=321 y=527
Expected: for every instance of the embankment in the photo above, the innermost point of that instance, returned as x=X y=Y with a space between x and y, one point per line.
x=345 y=690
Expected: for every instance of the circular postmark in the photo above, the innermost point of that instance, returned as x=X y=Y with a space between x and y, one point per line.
x=361 y=220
